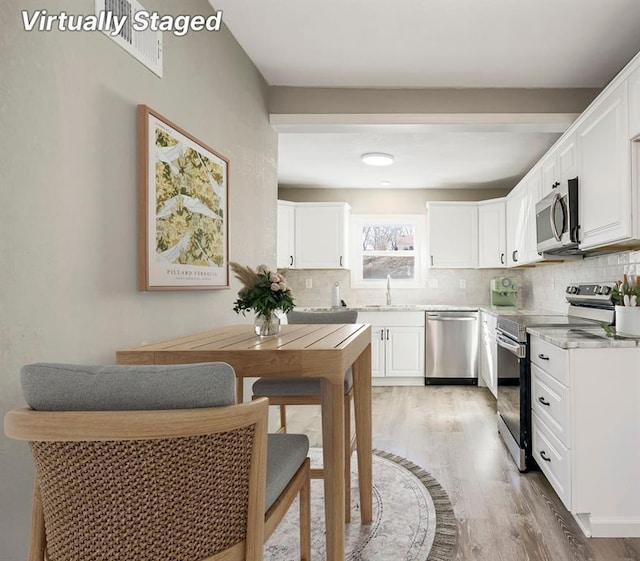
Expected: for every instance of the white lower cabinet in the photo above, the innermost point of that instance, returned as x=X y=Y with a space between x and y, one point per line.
x=489 y=352
x=397 y=347
x=586 y=433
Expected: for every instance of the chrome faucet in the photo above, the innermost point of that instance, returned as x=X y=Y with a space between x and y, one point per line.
x=388 y=290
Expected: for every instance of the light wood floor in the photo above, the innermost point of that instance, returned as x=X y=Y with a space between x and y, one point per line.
x=502 y=515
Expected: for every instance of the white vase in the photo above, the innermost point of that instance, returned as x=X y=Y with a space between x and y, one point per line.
x=267 y=325
x=628 y=321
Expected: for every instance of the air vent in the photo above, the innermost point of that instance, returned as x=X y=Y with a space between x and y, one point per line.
x=146 y=46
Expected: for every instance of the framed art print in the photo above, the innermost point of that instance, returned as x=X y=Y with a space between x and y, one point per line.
x=183 y=201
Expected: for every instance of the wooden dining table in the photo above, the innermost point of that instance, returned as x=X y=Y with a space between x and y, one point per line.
x=319 y=350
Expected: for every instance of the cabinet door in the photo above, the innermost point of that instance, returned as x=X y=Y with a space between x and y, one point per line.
x=634 y=103
x=560 y=165
x=453 y=235
x=550 y=172
x=377 y=351
x=604 y=201
x=517 y=206
x=492 y=235
x=405 y=351
x=489 y=353
x=533 y=188
x=286 y=235
x=321 y=236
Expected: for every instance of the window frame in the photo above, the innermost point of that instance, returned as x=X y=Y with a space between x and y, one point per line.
x=418 y=221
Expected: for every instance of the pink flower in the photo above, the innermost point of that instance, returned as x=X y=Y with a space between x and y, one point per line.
x=283 y=286
x=275 y=277
x=275 y=286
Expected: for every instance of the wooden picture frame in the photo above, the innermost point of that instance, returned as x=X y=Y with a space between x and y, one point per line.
x=183 y=228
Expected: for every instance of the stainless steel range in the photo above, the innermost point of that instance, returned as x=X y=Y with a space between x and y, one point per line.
x=590 y=304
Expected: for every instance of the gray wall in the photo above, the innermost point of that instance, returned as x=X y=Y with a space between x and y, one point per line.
x=387 y=201
x=287 y=100
x=68 y=212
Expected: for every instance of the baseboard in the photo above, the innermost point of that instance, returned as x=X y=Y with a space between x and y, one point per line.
x=594 y=527
x=415 y=381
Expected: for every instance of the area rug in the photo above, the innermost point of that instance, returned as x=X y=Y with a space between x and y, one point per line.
x=413 y=519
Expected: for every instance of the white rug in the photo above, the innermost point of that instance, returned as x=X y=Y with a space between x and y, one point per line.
x=412 y=518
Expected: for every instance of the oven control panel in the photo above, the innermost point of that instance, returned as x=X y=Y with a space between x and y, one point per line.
x=590 y=292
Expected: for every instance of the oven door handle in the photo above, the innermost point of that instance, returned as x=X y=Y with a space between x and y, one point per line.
x=514 y=348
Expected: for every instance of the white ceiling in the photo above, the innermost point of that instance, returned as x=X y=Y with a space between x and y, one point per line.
x=428 y=43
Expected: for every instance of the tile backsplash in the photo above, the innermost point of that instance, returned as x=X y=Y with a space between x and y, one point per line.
x=542 y=287
x=448 y=290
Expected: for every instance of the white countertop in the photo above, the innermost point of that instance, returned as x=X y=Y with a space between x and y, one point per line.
x=581 y=338
x=396 y=308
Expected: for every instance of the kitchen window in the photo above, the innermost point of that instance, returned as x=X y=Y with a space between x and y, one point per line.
x=387 y=245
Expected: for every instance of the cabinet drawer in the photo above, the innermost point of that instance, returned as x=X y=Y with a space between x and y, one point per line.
x=392 y=319
x=550 y=400
x=553 y=360
x=553 y=458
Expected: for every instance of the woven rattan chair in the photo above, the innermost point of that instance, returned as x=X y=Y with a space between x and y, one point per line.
x=176 y=484
x=306 y=391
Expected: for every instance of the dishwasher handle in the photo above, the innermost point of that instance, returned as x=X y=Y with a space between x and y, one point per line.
x=434 y=317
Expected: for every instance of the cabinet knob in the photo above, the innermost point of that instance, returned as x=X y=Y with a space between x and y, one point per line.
x=291 y=260
x=543 y=455
x=514 y=256
x=432 y=260
x=544 y=401
x=502 y=258
x=543 y=357
x=341 y=260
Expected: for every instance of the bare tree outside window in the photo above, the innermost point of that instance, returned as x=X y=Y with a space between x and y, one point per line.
x=381 y=245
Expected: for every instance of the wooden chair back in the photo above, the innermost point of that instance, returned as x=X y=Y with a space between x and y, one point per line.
x=176 y=485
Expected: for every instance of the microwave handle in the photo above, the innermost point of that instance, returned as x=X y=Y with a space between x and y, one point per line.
x=552 y=214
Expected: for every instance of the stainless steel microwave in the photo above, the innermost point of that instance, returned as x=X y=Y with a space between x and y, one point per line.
x=557 y=228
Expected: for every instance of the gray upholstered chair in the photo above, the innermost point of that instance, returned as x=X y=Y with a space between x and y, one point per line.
x=155 y=462
x=306 y=391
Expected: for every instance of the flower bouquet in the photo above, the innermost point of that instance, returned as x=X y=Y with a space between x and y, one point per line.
x=263 y=292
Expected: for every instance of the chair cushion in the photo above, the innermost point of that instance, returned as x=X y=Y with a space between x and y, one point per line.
x=285 y=454
x=340 y=316
x=268 y=387
x=71 y=387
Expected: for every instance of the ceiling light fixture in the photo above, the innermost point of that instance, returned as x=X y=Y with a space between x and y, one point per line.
x=385 y=183
x=377 y=159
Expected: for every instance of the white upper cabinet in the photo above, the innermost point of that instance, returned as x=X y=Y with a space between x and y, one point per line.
x=521 y=220
x=533 y=189
x=286 y=235
x=321 y=239
x=604 y=201
x=453 y=235
x=492 y=234
x=634 y=103
x=517 y=209
x=560 y=164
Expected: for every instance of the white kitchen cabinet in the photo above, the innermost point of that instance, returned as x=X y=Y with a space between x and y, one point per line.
x=533 y=189
x=560 y=164
x=634 y=103
x=286 y=235
x=605 y=195
x=453 y=235
x=321 y=238
x=585 y=426
x=397 y=347
x=492 y=234
x=517 y=209
x=521 y=220
x=489 y=352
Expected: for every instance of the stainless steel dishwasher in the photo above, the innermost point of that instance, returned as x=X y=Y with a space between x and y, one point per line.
x=451 y=347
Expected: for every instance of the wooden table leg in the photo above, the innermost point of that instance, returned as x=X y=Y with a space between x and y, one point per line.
x=333 y=458
x=362 y=404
